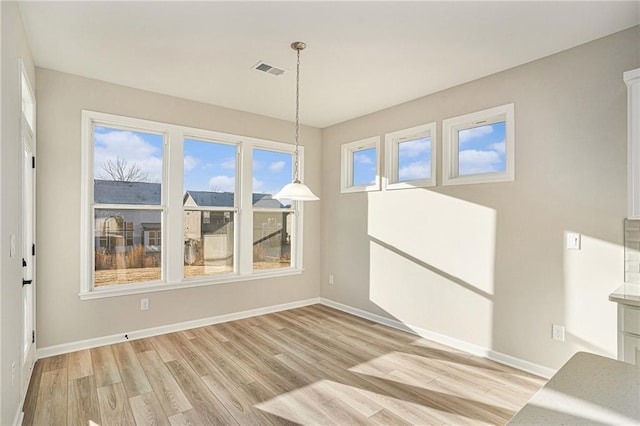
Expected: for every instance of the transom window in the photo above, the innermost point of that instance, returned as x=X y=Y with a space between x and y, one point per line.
x=411 y=157
x=361 y=165
x=479 y=147
x=136 y=171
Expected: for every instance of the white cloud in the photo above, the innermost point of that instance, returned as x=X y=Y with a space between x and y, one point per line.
x=130 y=147
x=415 y=170
x=276 y=167
x=362 y=158
x=222 y=183
x=257 y=165
x=475 y=132
x=414 y=148
x=498 y=147
x=229 y=164
x=190 y=163
x=472 y=161
x=257 y=184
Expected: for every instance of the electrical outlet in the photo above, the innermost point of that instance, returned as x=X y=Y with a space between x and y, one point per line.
x=331 y=279
x=557 y=332
x=13 y=374
x=144 y=304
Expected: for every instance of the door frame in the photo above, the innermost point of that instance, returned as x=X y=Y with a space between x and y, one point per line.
x=28 y=202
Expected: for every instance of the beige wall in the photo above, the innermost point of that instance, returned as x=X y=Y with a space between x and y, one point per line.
x=486 y=263
x=61 y=316
x=14 y=46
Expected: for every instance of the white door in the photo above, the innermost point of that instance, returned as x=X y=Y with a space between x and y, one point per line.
x=28 y=254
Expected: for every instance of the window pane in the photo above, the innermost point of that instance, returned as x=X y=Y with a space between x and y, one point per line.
x=364 y=167
x=128 y=247
x=414 y=159
x=208 y=243
x=482 y=149
x=272 y=170
x=209 y=174
x=272 y=240
x=127 y=167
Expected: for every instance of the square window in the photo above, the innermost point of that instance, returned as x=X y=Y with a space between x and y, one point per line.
x=361 y=165
x=479 y=147
x=411 y=157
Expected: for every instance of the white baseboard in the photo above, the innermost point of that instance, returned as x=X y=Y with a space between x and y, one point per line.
x=17 y=420
x=171 y=328
x=471 y=348
x=427 y=334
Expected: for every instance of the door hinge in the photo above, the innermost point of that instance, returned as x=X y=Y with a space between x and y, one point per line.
x=33 y=250
x=33 y=336
x=33 y=162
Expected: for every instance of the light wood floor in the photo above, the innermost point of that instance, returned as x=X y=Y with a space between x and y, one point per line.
x=312 y=365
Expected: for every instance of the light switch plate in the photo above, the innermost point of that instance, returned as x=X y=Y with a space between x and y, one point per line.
x=573 y=241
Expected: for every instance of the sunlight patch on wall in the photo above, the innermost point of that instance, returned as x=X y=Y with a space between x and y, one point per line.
x=432 y=262
x=589 y=317
x=447 y=234
x=420 y=297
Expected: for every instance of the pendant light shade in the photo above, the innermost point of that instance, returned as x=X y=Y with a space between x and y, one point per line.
x=296 y=190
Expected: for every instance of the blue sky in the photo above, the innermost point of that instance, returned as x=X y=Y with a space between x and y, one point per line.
x=207 y=165
x=144 y=149
x=364 y=167
x=211 y=167
x=414 y=159
x=482 y=149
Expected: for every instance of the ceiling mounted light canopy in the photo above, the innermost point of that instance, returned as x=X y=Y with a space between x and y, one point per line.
x=296 y=190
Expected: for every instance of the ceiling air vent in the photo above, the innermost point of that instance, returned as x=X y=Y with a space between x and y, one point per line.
x=269 y=69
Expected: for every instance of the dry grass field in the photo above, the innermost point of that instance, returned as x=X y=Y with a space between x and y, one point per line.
x=136 y=275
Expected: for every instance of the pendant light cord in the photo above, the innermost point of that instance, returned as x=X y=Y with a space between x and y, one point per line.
x=295 y=169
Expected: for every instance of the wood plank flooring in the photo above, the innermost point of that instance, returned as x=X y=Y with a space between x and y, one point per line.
x=313 y=365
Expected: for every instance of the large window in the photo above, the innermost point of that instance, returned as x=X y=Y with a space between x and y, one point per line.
x=272 y=219
x=479 y=147
x=127 y=205
x=209 y=207
x=230 y=228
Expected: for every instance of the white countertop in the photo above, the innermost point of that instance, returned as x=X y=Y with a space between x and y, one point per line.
x=588 y=389
x=627 y=294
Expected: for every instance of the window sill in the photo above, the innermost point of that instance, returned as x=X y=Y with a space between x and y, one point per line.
x=203 y=282
x=422 y=183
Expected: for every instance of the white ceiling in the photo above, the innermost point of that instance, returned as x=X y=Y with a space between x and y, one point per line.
x=361 y=57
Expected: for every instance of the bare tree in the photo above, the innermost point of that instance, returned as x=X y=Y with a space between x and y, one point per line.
x=215 y=188
x=121 y=171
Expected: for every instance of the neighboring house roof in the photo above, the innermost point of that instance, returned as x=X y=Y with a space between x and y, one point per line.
x=116 y=192
x=225 y=199
x=209 y=198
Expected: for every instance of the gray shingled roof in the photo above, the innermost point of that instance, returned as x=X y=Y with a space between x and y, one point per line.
x=210 y=199
x=114 y=192
x=225 y=199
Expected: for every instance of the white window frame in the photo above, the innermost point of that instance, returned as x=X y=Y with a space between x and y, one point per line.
x=392 y=143
x=450 y=145
x=346 y=179
x=172 y=195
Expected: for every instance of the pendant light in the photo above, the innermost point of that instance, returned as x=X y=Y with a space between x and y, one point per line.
x=296 y=190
